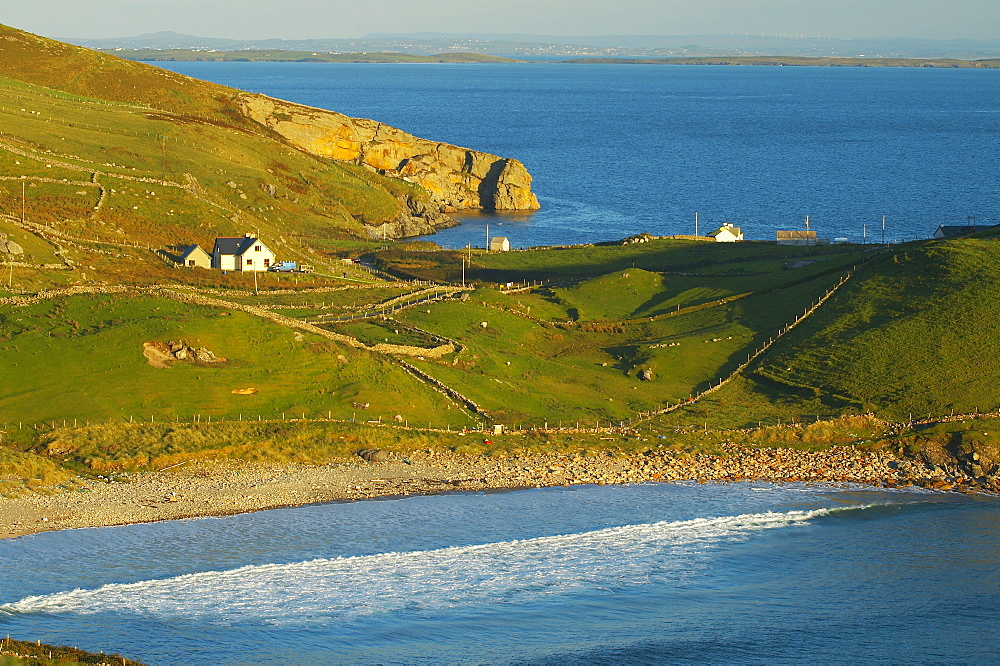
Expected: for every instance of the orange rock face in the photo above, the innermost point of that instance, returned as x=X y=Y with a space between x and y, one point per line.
x=457 y=178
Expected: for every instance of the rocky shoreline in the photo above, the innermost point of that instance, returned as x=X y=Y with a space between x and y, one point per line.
x=217 y=488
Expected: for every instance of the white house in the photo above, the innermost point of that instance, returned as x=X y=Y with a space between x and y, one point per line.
x=727 y=233
x=241 y=253
x=499 y=244
x=195 y=257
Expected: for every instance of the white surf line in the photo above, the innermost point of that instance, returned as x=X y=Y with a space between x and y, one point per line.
x=458 y=575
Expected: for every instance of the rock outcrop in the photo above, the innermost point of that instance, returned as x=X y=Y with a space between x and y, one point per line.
x=416 y=218
x=165 y=354
x=456 y=178
x=8 y=246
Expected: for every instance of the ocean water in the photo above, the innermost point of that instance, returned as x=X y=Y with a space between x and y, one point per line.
x=617 y=150
x=645 y=574
x=739 y=573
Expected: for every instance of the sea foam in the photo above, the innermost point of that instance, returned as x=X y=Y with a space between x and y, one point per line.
x=322 y=590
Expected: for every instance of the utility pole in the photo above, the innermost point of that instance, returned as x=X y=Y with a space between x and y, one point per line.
x=487 y=237
x=864 y=233
x=883 y=230
x=696 y=223
x=163 y=154
x=463 y=272
x=807 y=223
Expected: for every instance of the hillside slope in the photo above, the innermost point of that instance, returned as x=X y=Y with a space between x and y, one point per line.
x=915 y=334
x=170 y=128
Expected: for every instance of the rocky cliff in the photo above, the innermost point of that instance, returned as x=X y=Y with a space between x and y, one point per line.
x=456 y=178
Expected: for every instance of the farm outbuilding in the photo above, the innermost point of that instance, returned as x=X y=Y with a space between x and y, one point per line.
x=800 y=237
x=947 y=231
x=195 y=257
x=499 y=244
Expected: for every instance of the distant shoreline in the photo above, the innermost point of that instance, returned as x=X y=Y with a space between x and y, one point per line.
x=192 y=55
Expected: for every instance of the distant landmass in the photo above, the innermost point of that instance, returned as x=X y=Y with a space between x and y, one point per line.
x=278 y=55
x=543 y=46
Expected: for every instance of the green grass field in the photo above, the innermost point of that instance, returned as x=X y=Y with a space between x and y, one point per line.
x=81 y=358
x=911 y=336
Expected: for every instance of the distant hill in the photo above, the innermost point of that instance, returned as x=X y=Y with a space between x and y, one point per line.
x=800 y=61
x=277 y=55
x=524 y=45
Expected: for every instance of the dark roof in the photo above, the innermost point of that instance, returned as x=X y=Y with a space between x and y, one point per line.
x=235 y=245
x=956 y=230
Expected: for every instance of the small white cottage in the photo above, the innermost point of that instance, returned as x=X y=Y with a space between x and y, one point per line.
x=241 y=253
x=195 y=257
x=727 y=233
x=499 y=244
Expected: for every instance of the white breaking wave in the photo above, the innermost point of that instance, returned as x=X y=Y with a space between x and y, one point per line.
x=507 y=571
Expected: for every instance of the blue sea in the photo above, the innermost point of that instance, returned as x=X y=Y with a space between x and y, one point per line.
x=617 y=150
x=642 y=574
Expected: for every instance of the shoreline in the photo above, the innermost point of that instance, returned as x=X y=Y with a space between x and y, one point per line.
x=224 y=488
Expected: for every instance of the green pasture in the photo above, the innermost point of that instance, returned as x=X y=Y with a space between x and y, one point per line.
x=910 y=335
x=523 y=368
x=661 y=255
x=81 y=358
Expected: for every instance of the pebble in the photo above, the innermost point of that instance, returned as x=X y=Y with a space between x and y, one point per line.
x=230 y=487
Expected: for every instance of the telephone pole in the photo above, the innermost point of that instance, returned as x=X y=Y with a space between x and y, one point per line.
x=163 y=154
x=696 y=224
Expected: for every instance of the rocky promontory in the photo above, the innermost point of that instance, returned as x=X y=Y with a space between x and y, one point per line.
x=456 y=178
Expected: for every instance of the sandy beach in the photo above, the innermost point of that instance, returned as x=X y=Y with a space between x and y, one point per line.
x=228 y=487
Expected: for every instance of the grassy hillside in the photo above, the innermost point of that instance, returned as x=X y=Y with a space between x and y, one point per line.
x=91 y=74
x=101 y=149
x=81 y=358
x=578 y=352
x=104 y=161
x=910 y=335
x=112 y=171
x=914 y=336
